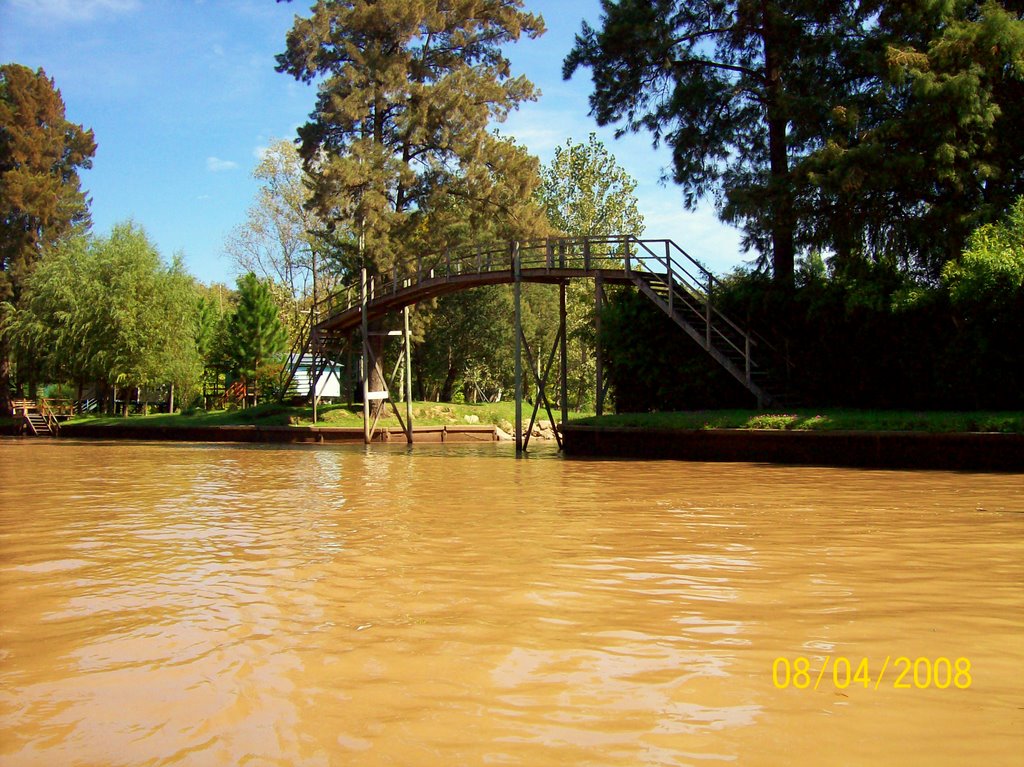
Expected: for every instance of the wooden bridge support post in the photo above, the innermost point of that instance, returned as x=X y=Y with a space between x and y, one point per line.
x=564 y=361
x=364 y=300
x=517 y=293
x=407 y=339
x=598 y=354
x=349 y=381
x=316 y=339
x=314 y=349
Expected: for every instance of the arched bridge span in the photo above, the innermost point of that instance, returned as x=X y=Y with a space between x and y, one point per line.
x=674 y=281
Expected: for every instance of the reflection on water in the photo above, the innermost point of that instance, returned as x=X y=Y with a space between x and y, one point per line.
x=206 y=605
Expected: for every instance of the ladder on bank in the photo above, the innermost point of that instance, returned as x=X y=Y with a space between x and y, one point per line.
x=39 y=420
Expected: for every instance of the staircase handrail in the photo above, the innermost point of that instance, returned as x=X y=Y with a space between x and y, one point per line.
x=60 y=405
x=297 y=352
x=674 y=269
x=47 y=413
x=755 y=337
x=673 y=276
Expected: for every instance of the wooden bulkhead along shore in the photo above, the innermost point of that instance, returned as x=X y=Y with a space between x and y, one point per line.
x=280 y=434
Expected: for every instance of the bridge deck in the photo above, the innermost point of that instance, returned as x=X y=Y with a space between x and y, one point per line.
x=672 y=279
x=348 y=319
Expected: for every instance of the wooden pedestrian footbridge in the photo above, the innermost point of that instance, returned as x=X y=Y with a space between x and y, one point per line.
x=672 y=279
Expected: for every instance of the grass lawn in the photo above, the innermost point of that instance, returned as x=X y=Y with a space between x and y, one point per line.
x=820 y=420
x=503 y=413
x=273 y=414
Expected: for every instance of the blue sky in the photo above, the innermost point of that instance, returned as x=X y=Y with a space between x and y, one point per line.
x=182 y=95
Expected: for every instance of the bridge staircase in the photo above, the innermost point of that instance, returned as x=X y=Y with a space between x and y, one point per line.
x=320 y=350
x=682 y=288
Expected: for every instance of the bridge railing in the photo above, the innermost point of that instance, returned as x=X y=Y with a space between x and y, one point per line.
x=688 y=280
x=673 y=262
x=698 y=284
x=586 y=253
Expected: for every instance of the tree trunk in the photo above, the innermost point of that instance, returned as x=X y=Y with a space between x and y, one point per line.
x=170 y=401
x=376 y=366
x=5 y=377
x=779 y=185
x=449 y=384
x=417 y=363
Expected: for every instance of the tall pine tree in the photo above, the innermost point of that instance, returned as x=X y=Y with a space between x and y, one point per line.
x=40 y=198
x=864 y=128
x=924 y=142
x=407 y=91
x=736 y=89
x=400 y=138
x=256 y=336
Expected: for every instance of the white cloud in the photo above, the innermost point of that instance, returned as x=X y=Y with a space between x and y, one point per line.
x=541 y=128
x=698 y=232
x=75 y=10
x=216 y=165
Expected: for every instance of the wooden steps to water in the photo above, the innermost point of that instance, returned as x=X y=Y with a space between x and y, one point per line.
x=40 y=422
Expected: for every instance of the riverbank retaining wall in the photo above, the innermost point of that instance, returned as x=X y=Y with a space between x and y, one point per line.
x=903 y=450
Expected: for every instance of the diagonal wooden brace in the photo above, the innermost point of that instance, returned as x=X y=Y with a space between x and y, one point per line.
x=541 y=381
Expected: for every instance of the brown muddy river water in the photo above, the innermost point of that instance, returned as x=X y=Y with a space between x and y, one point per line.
x=176 y=604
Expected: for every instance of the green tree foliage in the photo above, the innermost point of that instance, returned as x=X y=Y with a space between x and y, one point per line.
x=467 y=347
x=406 y=93
x=182 y=361
x=40 y=199
x=278 y=238
x=584 y=191
x=922 y=136
x=990 y=274
x=110 y=310
x=986 y=290
x=730 y=87
x=214 y=306
x=212 y=309
x=859 y=127
x=256 y=340
x=48 y=332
